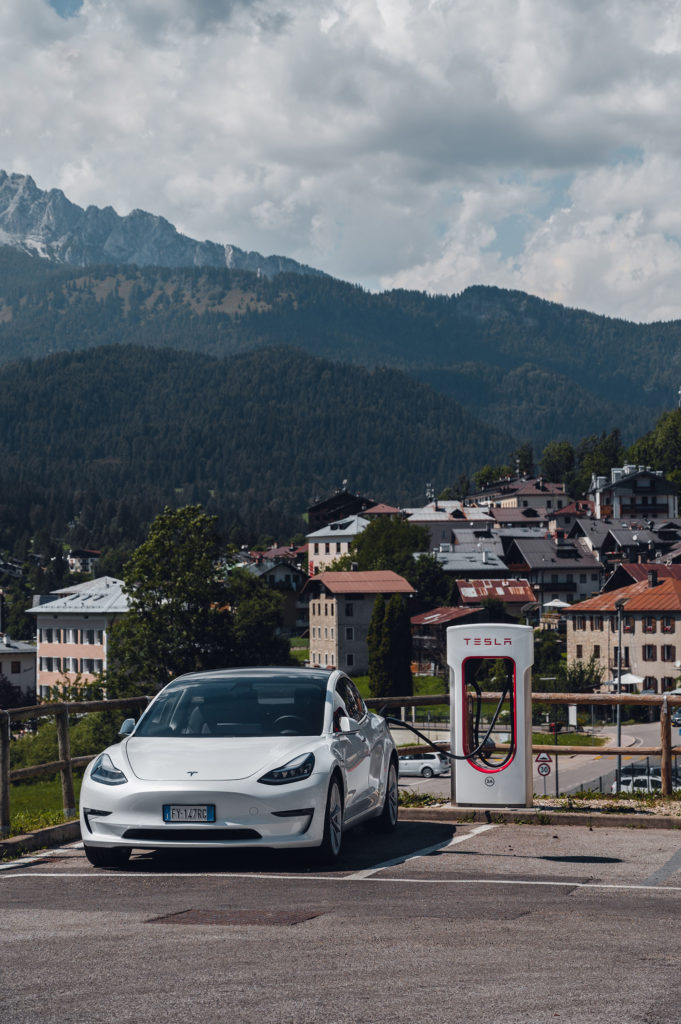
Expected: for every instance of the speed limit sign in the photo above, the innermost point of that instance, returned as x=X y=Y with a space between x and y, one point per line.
x=544 y=769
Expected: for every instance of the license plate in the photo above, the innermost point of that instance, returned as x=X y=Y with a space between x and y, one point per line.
x=189 y=812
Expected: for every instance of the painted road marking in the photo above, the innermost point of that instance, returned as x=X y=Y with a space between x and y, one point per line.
x=119 y=875
x=368 y=872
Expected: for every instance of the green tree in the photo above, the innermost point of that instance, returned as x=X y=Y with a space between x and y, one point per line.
x=389 y=643
x=580 y=676
x=488 y=474
x=389 y=543
x=557 y=461
x=178 y=618
x=378 y=644
x=522 y=459
x=256 y=612
x=432 y=584
x=661 y=448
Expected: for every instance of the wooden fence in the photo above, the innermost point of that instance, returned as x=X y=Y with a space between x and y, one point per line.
x=66 y=763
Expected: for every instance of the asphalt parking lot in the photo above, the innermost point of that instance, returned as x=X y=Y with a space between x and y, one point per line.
x=440 y=923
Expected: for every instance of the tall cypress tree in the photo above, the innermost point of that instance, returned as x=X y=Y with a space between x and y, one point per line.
x=389 y=643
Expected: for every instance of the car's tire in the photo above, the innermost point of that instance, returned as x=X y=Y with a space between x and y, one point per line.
x=427 y=772
x=387 y=819
x=329 y=849
x=107 y=857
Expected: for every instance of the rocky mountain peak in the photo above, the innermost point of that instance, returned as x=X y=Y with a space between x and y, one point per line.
x=49 y=224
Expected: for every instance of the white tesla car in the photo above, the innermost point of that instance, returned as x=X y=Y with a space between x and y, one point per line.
x=271 y=757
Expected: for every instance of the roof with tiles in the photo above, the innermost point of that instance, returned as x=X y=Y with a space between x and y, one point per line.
x=438 y=616
x=542 y=553
x=639 y=597
x=583 y=507
x=508 y=591
x=374 y=582
x=381 y=510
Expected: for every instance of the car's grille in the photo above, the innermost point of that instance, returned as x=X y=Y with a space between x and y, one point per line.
x=171 y=834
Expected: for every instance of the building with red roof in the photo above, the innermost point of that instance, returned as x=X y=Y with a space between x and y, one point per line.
x=650 y=628
x=341 y=605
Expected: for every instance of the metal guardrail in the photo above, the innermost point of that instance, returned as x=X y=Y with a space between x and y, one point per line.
x=66 y=763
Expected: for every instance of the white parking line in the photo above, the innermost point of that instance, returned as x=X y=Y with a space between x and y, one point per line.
x=117 y=876
x=368 y=872
x=25 y=862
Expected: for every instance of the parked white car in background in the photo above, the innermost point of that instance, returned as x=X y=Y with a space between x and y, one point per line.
x=264 y=757
x=426 y=764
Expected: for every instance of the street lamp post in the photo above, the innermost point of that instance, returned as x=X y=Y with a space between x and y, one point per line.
x=619 y=605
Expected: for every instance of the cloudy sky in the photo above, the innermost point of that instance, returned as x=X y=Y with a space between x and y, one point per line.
x=430 y=144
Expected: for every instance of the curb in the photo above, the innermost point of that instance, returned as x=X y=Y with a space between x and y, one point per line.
x=538 y=816
x=54 y=835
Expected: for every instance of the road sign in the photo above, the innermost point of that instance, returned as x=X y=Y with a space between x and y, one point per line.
x=544 y=758
x=544 y=768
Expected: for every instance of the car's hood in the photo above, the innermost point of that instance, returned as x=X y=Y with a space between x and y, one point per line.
x=206 y=758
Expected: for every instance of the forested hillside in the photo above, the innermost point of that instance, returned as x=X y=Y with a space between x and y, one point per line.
x=95 y=443
x=507 y=357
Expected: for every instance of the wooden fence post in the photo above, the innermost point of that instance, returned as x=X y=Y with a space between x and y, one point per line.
x=5 y=739
x=666 y=748
x=66 y=771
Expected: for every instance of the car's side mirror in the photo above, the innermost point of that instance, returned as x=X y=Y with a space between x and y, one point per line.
x=127 y=728
x=348 y=725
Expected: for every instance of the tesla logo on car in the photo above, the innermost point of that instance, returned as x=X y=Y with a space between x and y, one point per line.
x=487 y=641
x=192 y=773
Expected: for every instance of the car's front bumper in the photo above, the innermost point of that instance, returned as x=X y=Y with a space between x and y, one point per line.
x=256 y=815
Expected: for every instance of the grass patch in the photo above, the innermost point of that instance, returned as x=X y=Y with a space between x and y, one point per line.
x=568 y=739
x=409 y=799
x=35 y=805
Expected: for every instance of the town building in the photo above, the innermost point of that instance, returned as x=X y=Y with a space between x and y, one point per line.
x=83 y=560
x=18 y=665
x=332 y=541
x=429 y=635
x=341 y=505
x=650 y=613
x=288 y=580
x=72 y=627
x=633 y=493
x=537 y=494
x=516 y=595
x=555 y=569
x=341 y=605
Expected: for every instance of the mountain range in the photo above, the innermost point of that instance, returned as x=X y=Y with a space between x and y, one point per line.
x=74 y=279
x=50 y=225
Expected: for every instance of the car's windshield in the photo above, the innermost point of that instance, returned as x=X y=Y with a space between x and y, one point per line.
x=238 y=706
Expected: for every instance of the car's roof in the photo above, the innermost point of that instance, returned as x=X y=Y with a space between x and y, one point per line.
x=271 y=673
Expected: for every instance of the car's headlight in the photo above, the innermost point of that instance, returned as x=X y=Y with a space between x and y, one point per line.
x=293 y=771
x=105 y=771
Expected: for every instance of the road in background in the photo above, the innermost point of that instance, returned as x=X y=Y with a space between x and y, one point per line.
x=576 y=771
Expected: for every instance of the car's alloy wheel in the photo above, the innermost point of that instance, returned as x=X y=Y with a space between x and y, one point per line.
x=387 y=819
x=427 y=773
x=333 y=824
x=113 y=857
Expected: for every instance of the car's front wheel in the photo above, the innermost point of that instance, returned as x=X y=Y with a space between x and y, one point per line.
x=111 y=857
x=387 y=819
x=427 y=772
x=330 y=846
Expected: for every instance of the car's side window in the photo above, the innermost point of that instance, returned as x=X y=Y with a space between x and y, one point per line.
x=352 y=700
x=339 y=708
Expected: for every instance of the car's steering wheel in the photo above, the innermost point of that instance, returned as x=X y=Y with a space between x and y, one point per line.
x=293 y=725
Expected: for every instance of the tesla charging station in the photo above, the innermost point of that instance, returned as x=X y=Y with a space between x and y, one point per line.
x=484 y=658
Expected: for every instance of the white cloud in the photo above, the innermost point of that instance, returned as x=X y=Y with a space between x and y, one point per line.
x=419 y=143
